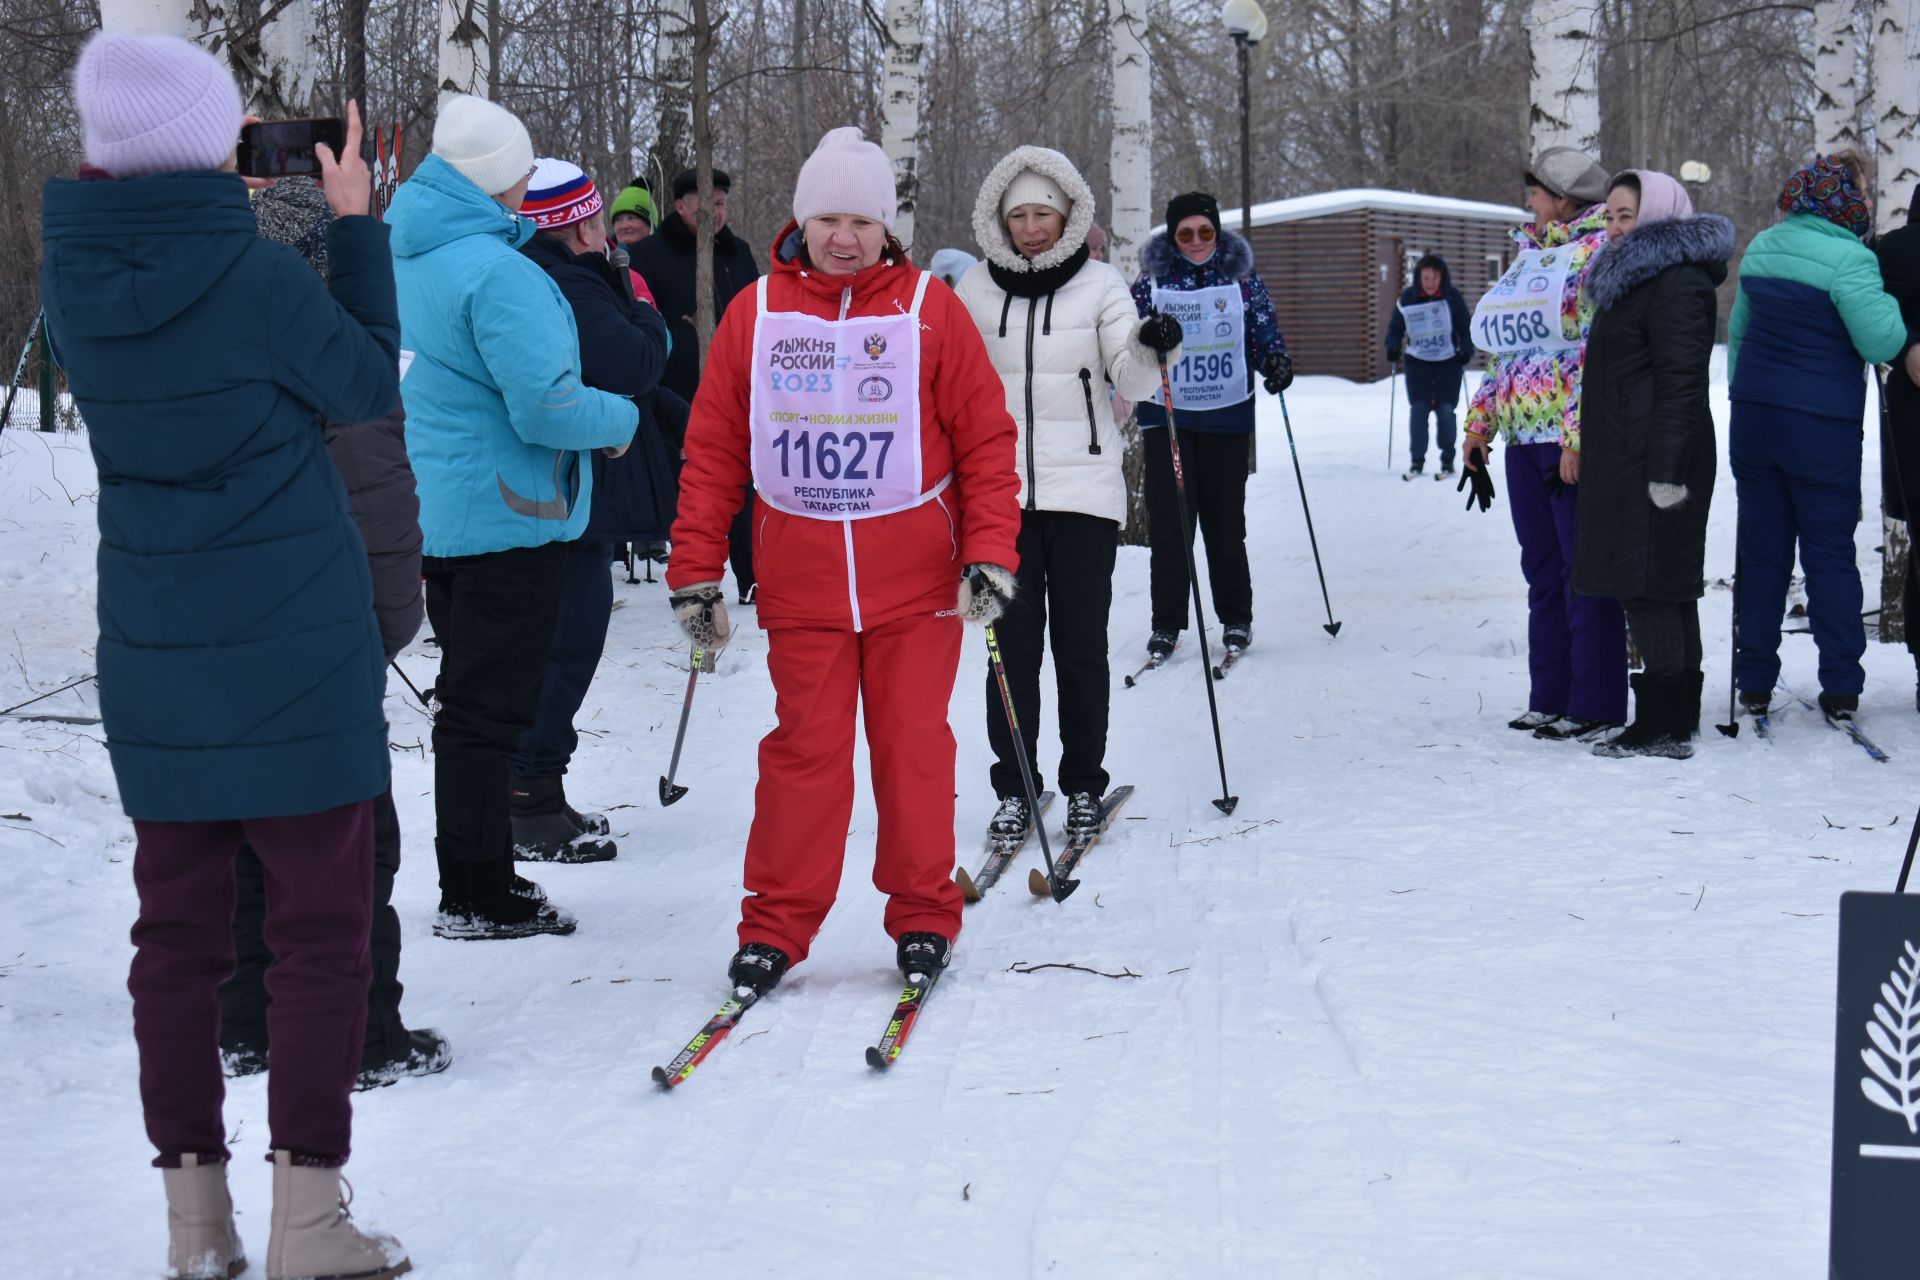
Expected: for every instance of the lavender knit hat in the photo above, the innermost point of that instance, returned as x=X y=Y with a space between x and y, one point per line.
x=154 y=103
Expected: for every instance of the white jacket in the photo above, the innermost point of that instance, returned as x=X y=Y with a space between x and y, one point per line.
x=1057 y=351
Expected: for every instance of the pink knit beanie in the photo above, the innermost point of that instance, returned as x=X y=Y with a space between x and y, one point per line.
x=846 y=174
x=154 y=103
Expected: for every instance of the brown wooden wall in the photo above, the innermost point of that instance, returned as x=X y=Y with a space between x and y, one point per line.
x=1335 y=279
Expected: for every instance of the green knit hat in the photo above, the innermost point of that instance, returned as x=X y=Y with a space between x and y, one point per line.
x=634 y=200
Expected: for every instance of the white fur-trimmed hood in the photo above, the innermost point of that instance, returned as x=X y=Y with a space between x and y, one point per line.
x=991 y=230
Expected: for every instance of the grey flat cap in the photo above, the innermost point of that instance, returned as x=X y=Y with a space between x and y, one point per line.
x=1569 y=174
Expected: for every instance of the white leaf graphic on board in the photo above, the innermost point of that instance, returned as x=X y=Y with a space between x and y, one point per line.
x=1894 y=1058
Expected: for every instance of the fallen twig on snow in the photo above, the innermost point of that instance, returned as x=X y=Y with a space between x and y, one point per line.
x=1021 y=966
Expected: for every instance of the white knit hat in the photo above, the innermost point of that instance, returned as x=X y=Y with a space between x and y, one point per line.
x=485 y=142
x=154 y=103
x=846 y=174
x=1029 y=187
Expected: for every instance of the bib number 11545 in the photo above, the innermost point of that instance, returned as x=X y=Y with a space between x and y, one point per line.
x=831 y=455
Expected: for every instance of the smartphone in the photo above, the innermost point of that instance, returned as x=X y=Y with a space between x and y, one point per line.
x=278 y=148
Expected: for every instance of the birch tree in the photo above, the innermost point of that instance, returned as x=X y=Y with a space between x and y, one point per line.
x=144 y=17
x=1564 y=100
x=274 y=56
x=1896 y=108
x=900 y=109
x=1836 y=75
x=1130 y=152
x=673 y=80
x=466 y=48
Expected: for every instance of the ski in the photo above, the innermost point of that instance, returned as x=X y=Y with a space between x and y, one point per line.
x=1844 y=724
x=906 y=1013
x=1000 y=853
x=1226 y=663
x=1151 y=664
x=48 y=717
x=724 y=1020
x=1763 y=725
x=1076 y=847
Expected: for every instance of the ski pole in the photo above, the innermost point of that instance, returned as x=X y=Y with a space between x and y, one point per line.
x=1732 y=727
x=1393 y=390
x=669 y=790
x=419 y=697
x=1906 y=868
x=1227 y=800
x=1331 y=627
x=1060 y=888
x=71 y=684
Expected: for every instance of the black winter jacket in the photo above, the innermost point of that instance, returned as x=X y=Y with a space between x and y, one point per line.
x=1433 y=381
x=371 y=458
x=1900 y=273
x=623 y=349
x=1644 y=416
x=665 y=260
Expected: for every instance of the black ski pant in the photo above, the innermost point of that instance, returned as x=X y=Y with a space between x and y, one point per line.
x=1064 y=591
x=740 y=544
x=243 y=997
x=579 y=639
x=1215 y=470
x=494 y=616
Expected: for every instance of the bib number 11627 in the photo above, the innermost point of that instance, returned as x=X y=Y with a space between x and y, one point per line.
x=831 y=455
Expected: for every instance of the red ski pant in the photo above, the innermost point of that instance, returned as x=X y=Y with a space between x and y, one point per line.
x=903 y=672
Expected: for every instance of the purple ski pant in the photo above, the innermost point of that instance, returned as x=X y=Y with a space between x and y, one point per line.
x=319 y=882
x=1576 y=645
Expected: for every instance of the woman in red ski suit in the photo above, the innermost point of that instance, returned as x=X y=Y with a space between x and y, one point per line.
x=855 y=392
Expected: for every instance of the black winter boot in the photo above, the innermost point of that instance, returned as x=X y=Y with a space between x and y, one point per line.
x=426 y=1053
x=1660 y=725
x=544 y=825
x=484 y=902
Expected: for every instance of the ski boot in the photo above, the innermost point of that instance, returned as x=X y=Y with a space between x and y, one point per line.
x=1084 y=817
x=922 y=955
x=1012 y=820
x=1160 y=645
x=1237 y=636
x=1532 y=720
x=1839 y=706
x=757 y=969
x=1568 y=729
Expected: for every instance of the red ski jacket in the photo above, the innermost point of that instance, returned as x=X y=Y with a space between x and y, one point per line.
x=859 y=574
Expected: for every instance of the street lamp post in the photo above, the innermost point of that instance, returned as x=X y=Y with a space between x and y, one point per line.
x=1247 y=24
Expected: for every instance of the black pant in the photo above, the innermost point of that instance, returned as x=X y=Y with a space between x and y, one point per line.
x=740 y=544
x=579 y=638
x=1066 y=564
x=494 y=617
x=1215 y=470
x=243 y=997
x=1668 y=633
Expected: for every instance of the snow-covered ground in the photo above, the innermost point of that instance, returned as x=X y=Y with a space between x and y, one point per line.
x=1438 y=1000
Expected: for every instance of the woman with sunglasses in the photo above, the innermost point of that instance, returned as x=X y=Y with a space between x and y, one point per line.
x=1058 y=327
x=1204 y=277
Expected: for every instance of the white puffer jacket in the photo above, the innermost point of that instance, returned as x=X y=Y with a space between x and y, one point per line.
x=1057 y=351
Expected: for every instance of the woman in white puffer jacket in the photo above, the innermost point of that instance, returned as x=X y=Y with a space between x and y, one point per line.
x=1059 y=327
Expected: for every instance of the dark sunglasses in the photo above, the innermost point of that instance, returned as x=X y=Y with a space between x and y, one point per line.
x=1186 y=234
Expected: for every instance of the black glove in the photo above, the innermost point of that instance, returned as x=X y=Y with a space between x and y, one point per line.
x=1277 y=372
x=1554 y=483
x=1160 y=333
x=1393 y=355
x=1482 y=486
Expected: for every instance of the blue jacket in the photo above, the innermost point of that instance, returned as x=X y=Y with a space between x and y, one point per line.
x=498 y=419
x=241 y=674
x=1232 y=262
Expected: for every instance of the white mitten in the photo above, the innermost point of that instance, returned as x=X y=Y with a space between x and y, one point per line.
x=985 y=592
x=701 y=611
x=1666 y=496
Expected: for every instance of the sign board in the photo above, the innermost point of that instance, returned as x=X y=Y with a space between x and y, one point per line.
x=1876 y=1091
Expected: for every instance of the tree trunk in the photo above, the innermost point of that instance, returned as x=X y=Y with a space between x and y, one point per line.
x=701 y=61
x=354 y=35
x=673 y=144
x=1896 y=119
x=1130 y=157
x=277 y=62
x=900 y=109
x=1836 y=75
x=144 y=17
x=803 y=138
x=1564 y=108
x=466 y=54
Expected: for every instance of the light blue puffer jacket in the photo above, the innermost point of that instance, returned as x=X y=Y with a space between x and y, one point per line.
x=497 y=417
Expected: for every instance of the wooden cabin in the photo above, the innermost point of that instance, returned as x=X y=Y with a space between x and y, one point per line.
x=1335 y=264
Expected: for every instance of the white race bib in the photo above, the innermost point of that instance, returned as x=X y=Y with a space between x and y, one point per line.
x=1522 y=311
x=1212 y=373
x=1429 y=330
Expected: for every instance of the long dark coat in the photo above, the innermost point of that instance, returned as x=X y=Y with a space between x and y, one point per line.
x=1900 y=271
x=1644 y=417
x=665 y=260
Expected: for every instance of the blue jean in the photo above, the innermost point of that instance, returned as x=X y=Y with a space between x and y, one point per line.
x=586 y=603
x=1798 y=480
x=1576 y=645
x=1417 y=430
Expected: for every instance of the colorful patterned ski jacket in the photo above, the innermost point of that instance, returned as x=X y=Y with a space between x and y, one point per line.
x=1533 y=397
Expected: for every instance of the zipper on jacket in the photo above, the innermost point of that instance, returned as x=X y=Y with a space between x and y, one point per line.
x=1033 y=306
x=846 y=305
x=1093 y=429
x=1046 y=326
x=1004 y=308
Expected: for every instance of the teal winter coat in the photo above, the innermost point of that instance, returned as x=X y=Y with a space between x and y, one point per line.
x=498 y=420
x=241 y=673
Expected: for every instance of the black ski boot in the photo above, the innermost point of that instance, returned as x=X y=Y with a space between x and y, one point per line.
x=922 y=955
x=426 y=1053
x=1237 y=636
x=757 y=968
x=1839 y=706
x=1012 y=820
x=547 y=829
x=1084 y=817
x=1160 y=644
x=1568 y=729
x=1756 y=703
x=242 y=1060
x=1531 y=720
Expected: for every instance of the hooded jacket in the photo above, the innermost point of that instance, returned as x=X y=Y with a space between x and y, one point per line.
x=498 y=419
x=1058 y=328
x=1433 y=381
x=1533 y=397
x=1899 y=254
x=241 y=673
x=1644 y=410
x=1231 y=263
x=665 y=260
x=859 y=574
x=1810 y=312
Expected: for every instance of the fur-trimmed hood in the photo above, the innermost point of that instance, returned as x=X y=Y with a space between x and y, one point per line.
x=1706 y=239
x=991 y=230
x=1232 y=257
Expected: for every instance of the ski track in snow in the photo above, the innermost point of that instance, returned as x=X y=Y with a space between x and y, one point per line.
x=1437 y=1000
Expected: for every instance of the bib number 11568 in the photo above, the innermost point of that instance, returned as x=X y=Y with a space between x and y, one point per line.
x=831 y=455
x=1514 y=330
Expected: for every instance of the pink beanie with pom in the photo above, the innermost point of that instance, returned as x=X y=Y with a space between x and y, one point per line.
x=154 y=103
x=846 y=174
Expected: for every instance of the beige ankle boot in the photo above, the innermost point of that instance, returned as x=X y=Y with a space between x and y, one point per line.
x=313 y=1234
x=202 y=1242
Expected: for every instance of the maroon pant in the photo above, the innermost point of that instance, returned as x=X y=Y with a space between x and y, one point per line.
x=319 y=883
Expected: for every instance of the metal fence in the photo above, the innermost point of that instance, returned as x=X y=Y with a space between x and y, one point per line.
x=32 y=399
